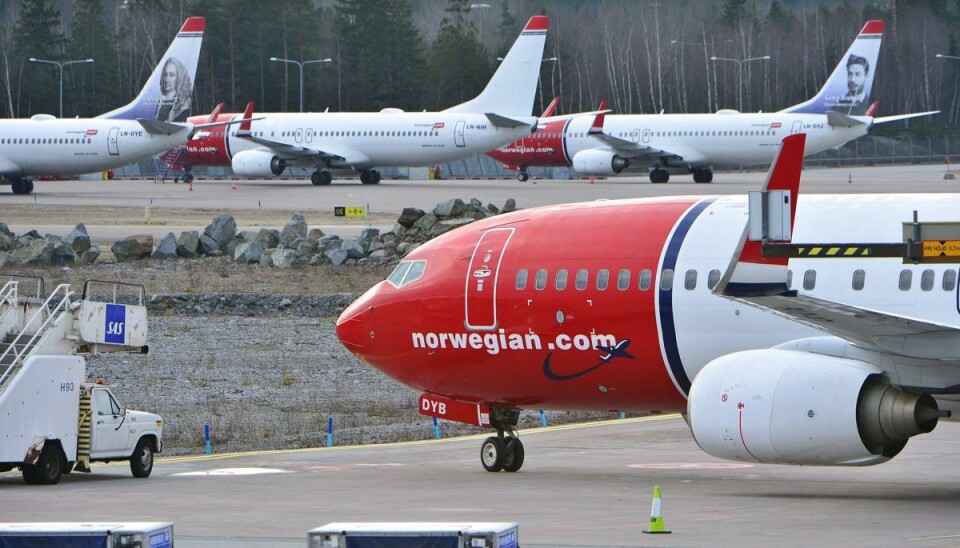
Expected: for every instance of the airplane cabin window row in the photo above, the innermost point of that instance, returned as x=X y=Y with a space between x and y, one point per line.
x=46 y=141
x=904 y=283
x=299 y=134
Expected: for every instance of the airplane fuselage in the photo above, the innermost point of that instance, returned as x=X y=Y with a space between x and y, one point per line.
x=699 y=139
x=521 y=310
x=363 y=139
x=81 y=145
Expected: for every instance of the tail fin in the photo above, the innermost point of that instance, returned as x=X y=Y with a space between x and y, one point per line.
x=166 y=97
x=551 y=108
x=597 y=126
x=849 y=87
x=511 y=90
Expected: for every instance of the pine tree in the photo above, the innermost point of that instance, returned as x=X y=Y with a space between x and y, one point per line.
x=457 y=63
x=91 y=90
x=38 y=34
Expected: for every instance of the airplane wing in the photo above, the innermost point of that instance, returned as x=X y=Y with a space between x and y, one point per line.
x=898 y=117
x=630 y=149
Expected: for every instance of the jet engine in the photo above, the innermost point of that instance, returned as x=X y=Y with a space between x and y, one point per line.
x=257 y=163
x=598 y=162
x=791 y=407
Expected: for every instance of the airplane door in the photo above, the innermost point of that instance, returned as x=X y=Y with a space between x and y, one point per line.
x=796 y=127
x=112 y=145
x=458 y=134
x=298 y=137
x=309 y=135
x=646 y=135
x=482 y=274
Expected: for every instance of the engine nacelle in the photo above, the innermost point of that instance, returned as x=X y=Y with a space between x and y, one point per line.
x=598 y=162
x=790 y=407
x=257 y=163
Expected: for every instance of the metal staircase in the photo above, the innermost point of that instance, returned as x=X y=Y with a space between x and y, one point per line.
x=165 y=163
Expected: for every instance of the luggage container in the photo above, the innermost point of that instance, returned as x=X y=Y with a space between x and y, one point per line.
x=414 y=535
x=87 y=535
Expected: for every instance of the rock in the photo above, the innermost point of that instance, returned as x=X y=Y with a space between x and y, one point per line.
x=7 y=242
x=241 y=237
x=425 y=222
x=493 y=209
x=133 y=247
x=188 y=244
x=369 y=234
x=450 y=208
x=78 y=239
x=268 y=238
x=266 y=258
x=315 y=234
x=374 y=246
x=283 y=258
x=167 y=248
x=307 y=248
x=25 y=239
x=337 y=256
x=447 y=225
x=63 y=254
x=296 y=228
x=5 y=258
x=409 y=216
x=509 y=205
x=35 y=253
x=248 y=252
x=219 y=232
x=406 y=247
x=353 y=248
x=476 y=204
x=5 y=230
x=329 y=242
x=208 y=246
x=90 y=256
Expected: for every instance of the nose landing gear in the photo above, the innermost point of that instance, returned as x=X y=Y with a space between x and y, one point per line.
x=505 y=450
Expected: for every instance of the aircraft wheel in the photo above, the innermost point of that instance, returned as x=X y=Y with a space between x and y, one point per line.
x=376 y=177
x=19 y=186
x=366 y=176
x=326 y=177
x=188 y=178
x=522 y=176
x=659 y=176
x=492 y=454
x=316 y=178
x=29 y=185
x=702 y=175
x=514 y=458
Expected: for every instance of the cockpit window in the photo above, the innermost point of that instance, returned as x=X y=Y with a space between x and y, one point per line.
x=407 y=272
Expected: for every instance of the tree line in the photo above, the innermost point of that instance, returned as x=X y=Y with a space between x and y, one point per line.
x=642 y=56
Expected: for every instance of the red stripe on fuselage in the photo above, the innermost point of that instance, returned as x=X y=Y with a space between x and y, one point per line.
x=545 y=147
x=416 y=333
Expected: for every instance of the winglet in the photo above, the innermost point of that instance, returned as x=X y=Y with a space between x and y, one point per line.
x=551 y=108
x=749 y=273
x=872 y=109
x=597 y=126
x=213 y=115
x=247 y=115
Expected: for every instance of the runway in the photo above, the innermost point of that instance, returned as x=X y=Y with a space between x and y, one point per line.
x=581 y=485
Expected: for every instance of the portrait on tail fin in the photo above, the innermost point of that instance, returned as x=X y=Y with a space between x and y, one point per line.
x=176 y=86
x=857 y=99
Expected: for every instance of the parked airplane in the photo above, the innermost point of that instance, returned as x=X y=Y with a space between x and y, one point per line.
x=391 y=137
x=664 y=305
x=44 y=145
x=695 y=142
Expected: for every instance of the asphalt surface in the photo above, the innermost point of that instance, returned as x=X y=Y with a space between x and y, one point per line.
x=580 y=486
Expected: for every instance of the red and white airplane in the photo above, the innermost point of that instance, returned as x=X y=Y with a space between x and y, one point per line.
x=363 y=141
x=669 y=305
x=693 y=143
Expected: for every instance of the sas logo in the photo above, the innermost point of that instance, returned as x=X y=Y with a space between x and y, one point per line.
x=114 y=323
x=438 y=125
x=91 y=132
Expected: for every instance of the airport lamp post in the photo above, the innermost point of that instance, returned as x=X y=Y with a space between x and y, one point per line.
x=300 y=66
x=60 y=67
x=942 y=56
x=740 y=63
x=547 y=60
x=480 y=7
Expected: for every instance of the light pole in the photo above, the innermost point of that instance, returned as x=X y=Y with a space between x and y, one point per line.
x=300 y=66
x=740 y=63
x=547 y=60
x=942 y=56
x=480 y=18
x=60 y=67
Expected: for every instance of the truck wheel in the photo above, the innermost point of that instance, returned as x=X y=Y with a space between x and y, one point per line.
x=141 y=462
x=49 y=466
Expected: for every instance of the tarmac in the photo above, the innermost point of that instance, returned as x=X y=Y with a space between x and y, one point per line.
x=581 y=486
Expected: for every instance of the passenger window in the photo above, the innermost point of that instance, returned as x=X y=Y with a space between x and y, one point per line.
x=949 y=280
x=713 y=279
x=906 y=278
x=858 y=278
x=521 y=283
x=582 y=279
x=560 y=281
x=603 y=279
x=645 y=276
x=540 y=282
x=666 y=279
x=690 y=280
x=926 y=280
x=623 y=280
x=809 y=279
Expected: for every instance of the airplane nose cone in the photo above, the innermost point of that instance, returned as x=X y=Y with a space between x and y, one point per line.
x=352 y=330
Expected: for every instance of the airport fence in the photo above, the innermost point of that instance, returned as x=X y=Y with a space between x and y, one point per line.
x=866 y=151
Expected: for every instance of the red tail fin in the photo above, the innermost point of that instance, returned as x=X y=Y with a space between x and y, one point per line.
x=213 y=115
x=551 y=108
x=247 y=114
x=597 y=126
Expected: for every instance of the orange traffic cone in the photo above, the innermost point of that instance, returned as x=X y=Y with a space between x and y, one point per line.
x=593 y=180
x=233 y=186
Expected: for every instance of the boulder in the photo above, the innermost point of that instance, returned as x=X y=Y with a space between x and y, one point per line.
x=509 y=205
x=7 y=242
x=5 y=230
x=5 y=258
x=369 y=234
x=353 y=248
x=219 y=232
x=337 y=256
x=295 y=229
x=266 y=258
x=268 y=238
x=248 y=252
x=63 y=254
x=90 y=255
x=78 y=239
x=493 y=209
x=25 y=239
x=447 y=225
x=315 y=234
x=138 y=246
x=450 y=208
x=307 y=248
x=425 y=222
x=167 y=248
x=188 y=244
x=208 y=246
x=239 y=238
x=283 y=258
x=410 y=215
x=329 y=242
x=37 y=252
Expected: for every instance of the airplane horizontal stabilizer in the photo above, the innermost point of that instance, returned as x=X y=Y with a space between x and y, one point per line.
x=156 y=127
x=503 y=121
x=836 y=119
x=898 y=117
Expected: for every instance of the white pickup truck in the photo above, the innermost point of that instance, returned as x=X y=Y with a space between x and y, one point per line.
x=52 y=421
